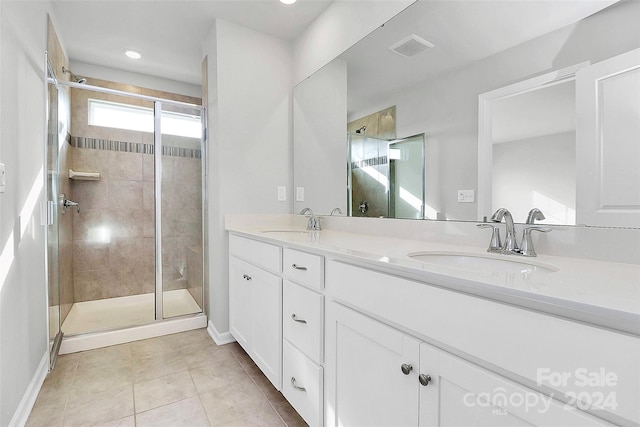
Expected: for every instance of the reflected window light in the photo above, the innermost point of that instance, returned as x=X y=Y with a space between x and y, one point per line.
x=395 y=154
x=382 y=179
x=99 y=235
x=29 y=205
x=6 y=259
x=554 y=211
x=412 y=200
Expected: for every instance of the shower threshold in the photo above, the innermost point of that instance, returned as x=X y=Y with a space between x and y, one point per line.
x=109 y=321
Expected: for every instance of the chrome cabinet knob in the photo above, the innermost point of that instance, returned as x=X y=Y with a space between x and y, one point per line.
x=424 y=379
x=406 y=369
x=246 y=277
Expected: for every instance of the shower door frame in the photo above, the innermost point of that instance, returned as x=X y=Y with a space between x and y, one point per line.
x=49 y=213
x=157 y=143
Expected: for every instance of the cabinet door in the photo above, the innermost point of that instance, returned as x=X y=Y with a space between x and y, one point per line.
x=240 y=314
x=255 y=316
x=266 y=333
x=368 y=386
x=471 y=395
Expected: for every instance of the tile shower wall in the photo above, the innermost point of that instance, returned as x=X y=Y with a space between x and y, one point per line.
x=114 y=233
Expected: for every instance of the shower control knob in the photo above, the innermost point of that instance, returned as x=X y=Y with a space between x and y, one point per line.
x=424 y=379
x=406 y=369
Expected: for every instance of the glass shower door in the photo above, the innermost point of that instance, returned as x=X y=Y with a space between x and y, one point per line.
x=53 y=253
x=181 y=213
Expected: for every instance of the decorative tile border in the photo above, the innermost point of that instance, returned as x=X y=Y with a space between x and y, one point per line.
x=375 y=161
x=133 y=147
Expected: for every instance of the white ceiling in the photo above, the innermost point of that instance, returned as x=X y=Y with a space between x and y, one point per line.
x=169 y=34
x=462 y=32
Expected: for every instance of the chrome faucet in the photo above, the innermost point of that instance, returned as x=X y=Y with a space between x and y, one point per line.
x=526 y=248
x=535 y=214
x=510 y=244
x=336 y=211
x=313 y=223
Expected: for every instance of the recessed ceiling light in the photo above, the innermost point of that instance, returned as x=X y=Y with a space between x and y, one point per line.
x=133 y=54
x=287 y=1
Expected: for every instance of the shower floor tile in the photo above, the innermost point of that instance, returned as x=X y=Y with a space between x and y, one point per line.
x=193 y=394
x=112 y=313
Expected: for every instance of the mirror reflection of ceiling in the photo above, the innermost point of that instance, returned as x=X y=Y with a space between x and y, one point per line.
x=461 y=32
x=547 y=111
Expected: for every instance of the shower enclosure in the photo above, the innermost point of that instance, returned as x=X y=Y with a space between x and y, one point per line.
x=386 y=177
x=133 y=178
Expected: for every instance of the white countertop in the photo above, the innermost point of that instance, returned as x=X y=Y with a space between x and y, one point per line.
x=597 y=292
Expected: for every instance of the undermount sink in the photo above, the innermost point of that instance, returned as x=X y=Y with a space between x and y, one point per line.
x=290 y=231
x=483 y=262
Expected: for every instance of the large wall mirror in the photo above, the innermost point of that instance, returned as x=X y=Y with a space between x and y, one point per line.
x=448 y=54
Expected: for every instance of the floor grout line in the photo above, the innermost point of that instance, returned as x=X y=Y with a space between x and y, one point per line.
x=284 y=423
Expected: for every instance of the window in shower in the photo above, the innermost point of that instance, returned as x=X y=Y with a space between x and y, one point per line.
x=131 y=117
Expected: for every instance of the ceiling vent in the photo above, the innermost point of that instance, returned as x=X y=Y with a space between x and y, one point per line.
x=410 y=46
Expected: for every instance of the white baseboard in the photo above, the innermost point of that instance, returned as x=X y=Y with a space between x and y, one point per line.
x=103 y=339
x=31 y=394
x=217 y=337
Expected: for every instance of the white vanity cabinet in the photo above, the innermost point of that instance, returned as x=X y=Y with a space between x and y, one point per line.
x=373 y=369
x=303 y=326
x=255 y=303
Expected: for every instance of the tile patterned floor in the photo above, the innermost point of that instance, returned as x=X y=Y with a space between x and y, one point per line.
x=177 y=380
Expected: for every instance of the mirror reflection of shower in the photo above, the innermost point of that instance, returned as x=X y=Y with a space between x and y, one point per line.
x=387 y=177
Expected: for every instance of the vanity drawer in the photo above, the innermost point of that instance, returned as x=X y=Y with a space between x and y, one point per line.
x=257 y=253
x=300 y=372
x=302 y=319
x=304 y=268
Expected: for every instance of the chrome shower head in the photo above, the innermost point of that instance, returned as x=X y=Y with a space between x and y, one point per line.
x=80 y=80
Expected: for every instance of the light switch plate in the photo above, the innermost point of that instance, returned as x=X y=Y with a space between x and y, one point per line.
x=2 y=178
x=466 y=196
x=299 y=194
x=282 y=193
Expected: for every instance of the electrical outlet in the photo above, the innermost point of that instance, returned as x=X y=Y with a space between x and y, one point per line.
x=466 y=196
x=2 y=178
x=282 y=193
x=299 y=194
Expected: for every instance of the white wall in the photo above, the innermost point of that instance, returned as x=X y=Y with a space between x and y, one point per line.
x=338 y=28
x=23 y=305
x=446 y=109
x=538 y=172
x=249 y=80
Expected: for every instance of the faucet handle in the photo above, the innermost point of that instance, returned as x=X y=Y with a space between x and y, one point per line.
x=535 y=214
x=526 y=247
x=496 y=244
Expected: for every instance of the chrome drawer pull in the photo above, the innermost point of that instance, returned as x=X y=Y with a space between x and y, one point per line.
x=293 y=316
x=293 y=383
x=297 y=267
x=246 y=277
